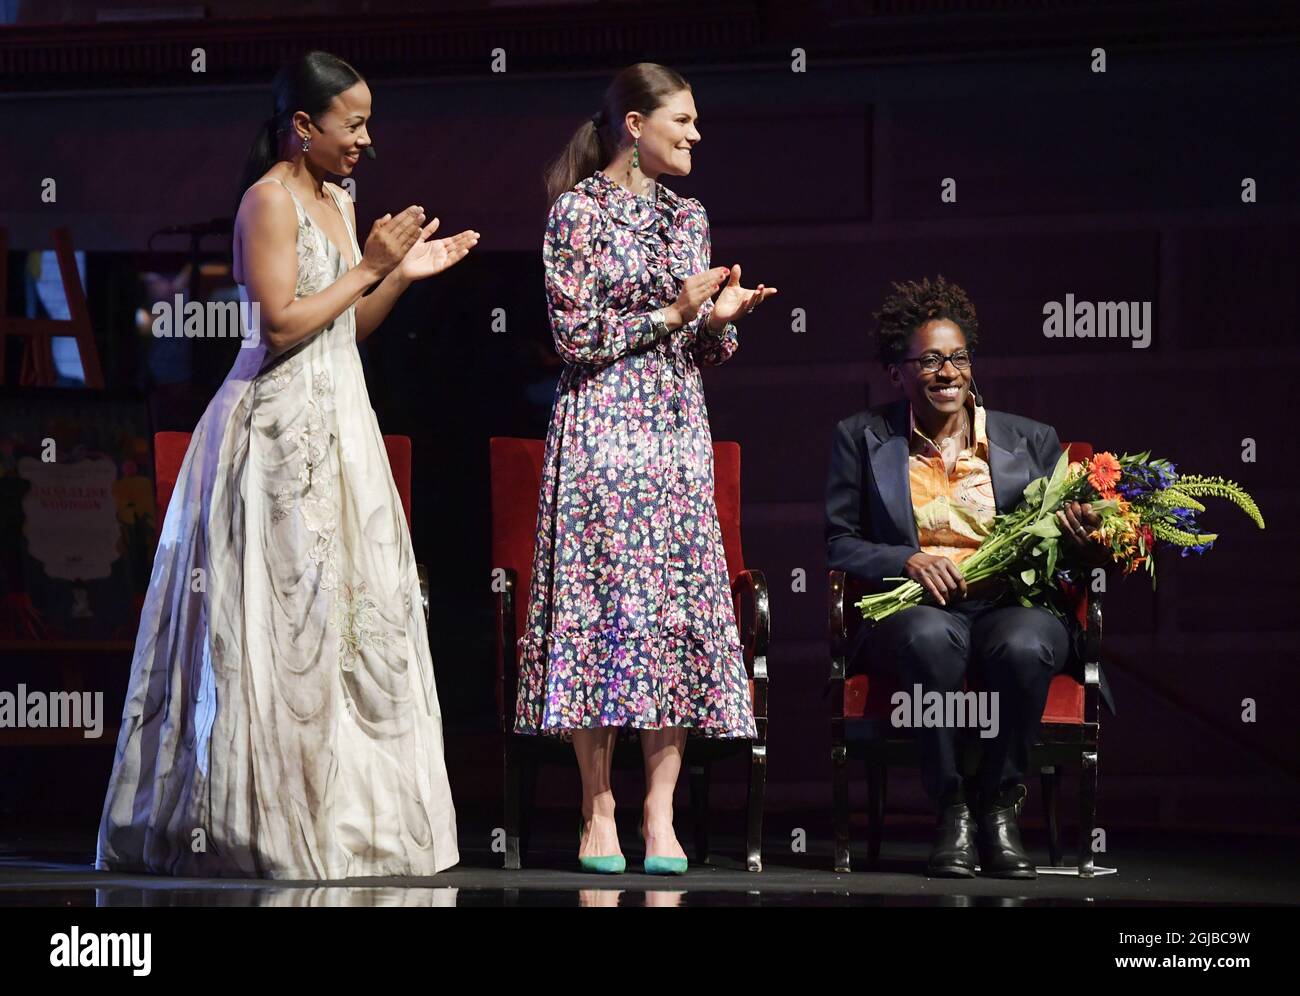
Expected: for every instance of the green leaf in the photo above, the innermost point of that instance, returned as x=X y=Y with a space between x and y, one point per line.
x=1034 y=491
x=1058 y=473
x=1046 y=528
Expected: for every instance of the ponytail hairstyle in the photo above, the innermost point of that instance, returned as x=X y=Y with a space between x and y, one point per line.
x=641 y=87
x=309 y=85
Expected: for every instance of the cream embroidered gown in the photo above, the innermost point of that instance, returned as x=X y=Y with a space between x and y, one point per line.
x=282 y=719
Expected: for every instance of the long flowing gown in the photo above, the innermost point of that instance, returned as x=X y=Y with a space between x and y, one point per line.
x=282 y=719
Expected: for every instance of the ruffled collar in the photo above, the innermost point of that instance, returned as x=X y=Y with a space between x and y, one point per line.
x=638 y=213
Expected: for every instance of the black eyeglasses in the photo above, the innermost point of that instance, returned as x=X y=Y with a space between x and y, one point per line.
x=933 y=362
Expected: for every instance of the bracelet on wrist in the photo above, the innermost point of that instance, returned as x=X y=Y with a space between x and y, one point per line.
x=659 y=323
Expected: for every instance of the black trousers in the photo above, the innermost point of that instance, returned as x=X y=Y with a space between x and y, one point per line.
x=1009 y=649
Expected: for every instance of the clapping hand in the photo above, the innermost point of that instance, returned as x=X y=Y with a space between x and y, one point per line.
x=390 y=239
x=735 y=301
x=427 y=257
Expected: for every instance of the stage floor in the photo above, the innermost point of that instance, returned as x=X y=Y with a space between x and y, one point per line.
x=55 y=868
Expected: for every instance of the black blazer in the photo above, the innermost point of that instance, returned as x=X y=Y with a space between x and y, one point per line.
x=870 y=523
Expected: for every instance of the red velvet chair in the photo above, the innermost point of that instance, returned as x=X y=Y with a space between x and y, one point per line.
x=861 y=728
x=169 y=452
x=516 y=484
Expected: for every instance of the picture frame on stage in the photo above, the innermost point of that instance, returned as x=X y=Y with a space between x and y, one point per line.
x=77 y=518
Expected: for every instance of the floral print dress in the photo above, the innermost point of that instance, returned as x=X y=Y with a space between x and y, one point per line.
x=630 y=619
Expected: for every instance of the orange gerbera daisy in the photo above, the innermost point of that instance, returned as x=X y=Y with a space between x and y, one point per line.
x=1103 y=473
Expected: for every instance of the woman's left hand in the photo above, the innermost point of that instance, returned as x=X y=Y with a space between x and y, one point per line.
x=1076 y=522
x=735 y=302
x=428 y=257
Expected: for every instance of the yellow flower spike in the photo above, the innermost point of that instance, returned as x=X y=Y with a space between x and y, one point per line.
x=1177 y=537
x=1172 y=498
x=1217 y=487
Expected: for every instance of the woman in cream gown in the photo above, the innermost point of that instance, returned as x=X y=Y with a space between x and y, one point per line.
x=282 y=719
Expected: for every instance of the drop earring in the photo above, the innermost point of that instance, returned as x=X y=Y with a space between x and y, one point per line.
x=306 y=144
x=636 y=153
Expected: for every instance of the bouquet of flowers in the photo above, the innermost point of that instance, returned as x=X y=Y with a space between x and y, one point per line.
x=1141 y=501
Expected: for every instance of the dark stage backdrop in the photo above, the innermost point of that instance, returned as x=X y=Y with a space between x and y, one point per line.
x=1122 y=186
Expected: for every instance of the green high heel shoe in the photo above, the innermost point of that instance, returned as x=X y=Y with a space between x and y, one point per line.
x=656 y=865
x=603 y=864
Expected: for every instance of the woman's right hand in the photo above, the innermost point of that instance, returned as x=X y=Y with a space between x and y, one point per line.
x=389 y=240
x=937 y=575
x=696 y=289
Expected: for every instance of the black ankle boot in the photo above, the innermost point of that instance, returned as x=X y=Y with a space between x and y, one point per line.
x=997 y=836
x=953 y=854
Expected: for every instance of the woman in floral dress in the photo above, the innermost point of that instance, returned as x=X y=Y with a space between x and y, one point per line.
x=630 y=621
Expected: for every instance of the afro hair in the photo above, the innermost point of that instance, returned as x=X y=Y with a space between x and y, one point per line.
x=912 y=305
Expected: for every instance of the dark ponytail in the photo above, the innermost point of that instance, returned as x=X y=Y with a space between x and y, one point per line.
x=308 y=85
x=642 y=87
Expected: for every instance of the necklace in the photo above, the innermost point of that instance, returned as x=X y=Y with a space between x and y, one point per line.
x=961 y=431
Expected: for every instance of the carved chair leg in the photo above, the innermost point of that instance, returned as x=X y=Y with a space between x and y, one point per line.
x=700 y=778
x=513 y=788
x=754 y=822
x=1051 y=781
x=840 y=805
x=528 y=771
x=1087 y=812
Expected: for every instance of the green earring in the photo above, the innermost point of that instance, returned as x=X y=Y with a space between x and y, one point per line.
x=636 y=153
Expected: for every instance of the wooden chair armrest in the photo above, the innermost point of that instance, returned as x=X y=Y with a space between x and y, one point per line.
x=1092 y=660
x=837 y=630
x=752 y=585
x=838 y=633
x=507 y=640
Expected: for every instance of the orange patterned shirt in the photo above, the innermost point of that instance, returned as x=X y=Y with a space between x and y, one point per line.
x=952 y=488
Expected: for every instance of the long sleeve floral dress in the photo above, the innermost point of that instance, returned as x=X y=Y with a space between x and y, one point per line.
x=630 y=620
